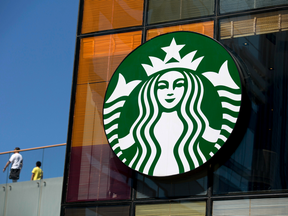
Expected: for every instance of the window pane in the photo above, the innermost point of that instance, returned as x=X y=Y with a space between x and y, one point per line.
x=269 y=206
x=100 y=56
x=227 y=6
x=157 y=188
x=254 y=25
x=168 y=10
x=102 y=15
x=172 y=209
x=229 y=207
x=88 y=121
x=206 y=28
x=261 y=161
x=95 y=174
x=97 y=211
x=53 y=162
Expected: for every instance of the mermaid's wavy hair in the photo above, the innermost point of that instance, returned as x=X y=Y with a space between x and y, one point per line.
x=186 y=150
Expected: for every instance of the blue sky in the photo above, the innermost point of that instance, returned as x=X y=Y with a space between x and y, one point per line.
x=37 y=45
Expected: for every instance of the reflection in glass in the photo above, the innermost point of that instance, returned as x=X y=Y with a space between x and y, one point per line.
x=254 y=24
x=88 y=122
x=97 y=174
x=268 y=206
x=227 y=6
x=100 y=210
x=101 y=55
x=102 y=15
x=172 y=209
x=261 y=160
x=206 y=28
x=163 y=10
x=187 y=186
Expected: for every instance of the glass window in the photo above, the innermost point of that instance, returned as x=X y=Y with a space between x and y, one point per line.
x=95 y=174
x=101 y=210
x=99 y=15
x=88 y=122
x=172 y=209
x=261 y=161
x=158 y=188
x=53 y=162
x=100 y=56
x=269 y=206
x=168 y=10
x=254 y=24
x=206 y=28
x=227 y=6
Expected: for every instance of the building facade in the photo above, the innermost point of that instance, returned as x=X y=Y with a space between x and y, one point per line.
x=250 y=178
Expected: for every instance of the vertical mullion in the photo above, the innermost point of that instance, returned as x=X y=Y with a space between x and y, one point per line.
x=133 y=193
x=132 y=209
x=216 y=29
x=209 y=191
x=209 y=203
x=71 y=119
x=134 y=174
x=72 y=107
x=80 y=17
x=145 y=12
x=216 y=21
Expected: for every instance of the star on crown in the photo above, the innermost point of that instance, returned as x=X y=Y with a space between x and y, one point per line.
x=172 y=51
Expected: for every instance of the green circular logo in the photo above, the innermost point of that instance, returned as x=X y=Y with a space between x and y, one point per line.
x=172 y=104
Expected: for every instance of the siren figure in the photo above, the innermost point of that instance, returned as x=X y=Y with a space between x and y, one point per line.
x=165 y=137
x=170 y=124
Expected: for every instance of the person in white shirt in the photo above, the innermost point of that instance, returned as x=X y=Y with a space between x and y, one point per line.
x=16 y=161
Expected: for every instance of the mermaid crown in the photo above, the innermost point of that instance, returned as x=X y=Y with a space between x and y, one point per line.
x=172 y=51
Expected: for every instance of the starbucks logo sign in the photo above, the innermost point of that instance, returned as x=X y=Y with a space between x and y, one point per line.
x=172 y=104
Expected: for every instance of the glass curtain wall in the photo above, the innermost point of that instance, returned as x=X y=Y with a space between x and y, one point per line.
x=251 y=179
x=266 y=206
x=261 y=158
